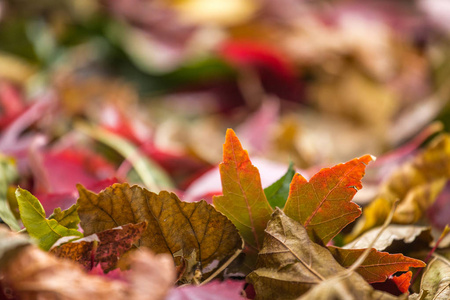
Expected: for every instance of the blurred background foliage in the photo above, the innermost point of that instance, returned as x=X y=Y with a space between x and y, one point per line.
x=313 y=82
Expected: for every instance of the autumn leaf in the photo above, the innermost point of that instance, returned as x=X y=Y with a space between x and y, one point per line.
x=68 y=218
x=323 y=205
x=34 y=274
x=403 y=281
x=278 y=192
x=416 y=184
x=394 y=237
x=378 y=266
x=187 y=230
x=45 y=231
x=289 y=264
x=105 y=247
x=435 y=284
x=243 y=200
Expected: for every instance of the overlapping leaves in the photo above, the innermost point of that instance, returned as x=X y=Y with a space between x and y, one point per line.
x=194 y=233
x=322 y=206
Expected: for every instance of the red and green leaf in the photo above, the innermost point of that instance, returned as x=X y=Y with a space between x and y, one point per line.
x=323 y=204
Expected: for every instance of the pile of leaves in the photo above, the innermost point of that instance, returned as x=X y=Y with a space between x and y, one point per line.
x=127 y=242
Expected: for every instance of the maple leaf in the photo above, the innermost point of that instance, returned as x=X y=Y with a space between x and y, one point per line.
x=45 y=231
x=323 y=205
x=105 y=247
x=416 y=184
x=289 y=264
x=378 y=266
x=192 y=231
x=243 y=200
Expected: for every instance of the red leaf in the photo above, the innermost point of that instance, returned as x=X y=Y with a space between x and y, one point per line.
x=378 y=266
x=323 y=205
x=403 y=281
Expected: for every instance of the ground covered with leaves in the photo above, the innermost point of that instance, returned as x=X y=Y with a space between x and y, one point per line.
x=222 y=150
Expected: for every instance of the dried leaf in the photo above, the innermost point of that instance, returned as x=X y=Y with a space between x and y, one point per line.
x=416 y=184
x=394 y=236
x=436 y=280
x=243 y=200
x=277 y=194
x=34 y=274
x=45 y=231
x=378 y=266
x=105 y=247
x=175 y=227
x=323 y=205
x=343 y=288
x=289 y=264
x=68 y=218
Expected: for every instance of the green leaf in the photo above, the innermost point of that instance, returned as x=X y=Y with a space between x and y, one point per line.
x=8 y=174
x=278 y=192
x=46 y=232
x=68 y=218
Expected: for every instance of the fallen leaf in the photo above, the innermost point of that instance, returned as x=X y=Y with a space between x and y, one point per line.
x=277 y=194
x=216 y=290
x=104 y=248
x=176 y=227
x=8 y=173
x=394 y=237
x=34 y=274
x=289 y=264
x=378 y=266
x=323 y=205
x=343 y=288
x=243 y=200
x=68 y=218
x=403 y=281
x=416 y=184
x=436 y=280
x=45 y=231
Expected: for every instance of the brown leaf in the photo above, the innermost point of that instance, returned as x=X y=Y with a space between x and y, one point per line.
x=105 y=247
x=378 y=266
x=436 y=280
x=416 y=184
x=190 y=230
x=323 y=205
x=395 y=238
x=289 y=264
x=35 y=274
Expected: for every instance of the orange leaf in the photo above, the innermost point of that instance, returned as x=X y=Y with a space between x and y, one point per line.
x=378 y=266
x=323 y=205
x=403 y=281
x=243 y=200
